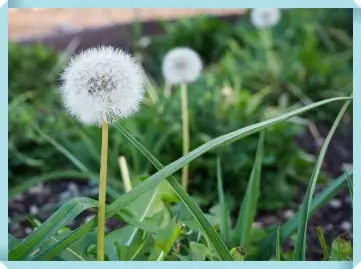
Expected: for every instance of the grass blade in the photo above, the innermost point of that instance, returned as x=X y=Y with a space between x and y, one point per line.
x=350 y=187
x=69 y=252
x=300 y=248
x=224 y=225
x=322 y=240
x=59 y=219
x=278 y=245
x=158 y=177
x=64 y=151
x=249 y=204
x=187 y=200
x=165 y=241
x=93 y=176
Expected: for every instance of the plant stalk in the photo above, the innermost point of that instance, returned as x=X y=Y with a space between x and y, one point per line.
x=267 y=39
x=185 y=121
x=102 y=192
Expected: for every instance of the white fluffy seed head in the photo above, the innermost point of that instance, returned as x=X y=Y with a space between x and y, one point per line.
x=181 y=65
x=265 y=17
x=101 y=85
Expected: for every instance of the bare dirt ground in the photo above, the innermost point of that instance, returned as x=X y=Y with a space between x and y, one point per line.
x=24 y=23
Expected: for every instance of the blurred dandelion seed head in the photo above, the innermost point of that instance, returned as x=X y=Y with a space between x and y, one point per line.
x=182 y=65
x=265 y=17
x=101 y=85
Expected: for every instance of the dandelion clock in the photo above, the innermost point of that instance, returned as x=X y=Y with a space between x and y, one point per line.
x=265 y=17
x=100 y=86
x=182 y=66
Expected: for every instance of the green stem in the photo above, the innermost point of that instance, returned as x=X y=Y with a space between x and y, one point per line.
x=102 y=193
x=278 y=245
x=185 y=121
x=321 y=238
x=266 y=38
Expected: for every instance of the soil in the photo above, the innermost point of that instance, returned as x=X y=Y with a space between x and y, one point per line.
x=335 y=218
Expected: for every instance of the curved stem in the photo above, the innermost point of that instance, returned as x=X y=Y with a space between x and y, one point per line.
x=185 y=121
x=102 y=192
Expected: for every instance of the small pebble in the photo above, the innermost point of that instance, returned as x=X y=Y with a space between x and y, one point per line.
x=28 y=230
x=38 y=189
x=66 y=195
x=18 y=197
x=72 y=187
x=288 y=213
x=346 y=226
x=257 y=225
x=34 y=210
x=270 y=220
x=335 y=204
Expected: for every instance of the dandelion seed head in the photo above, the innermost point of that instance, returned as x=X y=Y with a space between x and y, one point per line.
x=265 y=17
x=182 y=65
x=101 y=85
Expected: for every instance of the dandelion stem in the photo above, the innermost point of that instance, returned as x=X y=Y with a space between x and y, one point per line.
x=267 y=39
x=185 y=122
x=102 y=192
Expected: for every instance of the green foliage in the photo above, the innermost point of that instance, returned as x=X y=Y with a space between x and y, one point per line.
x=197 y=251
x=254 y=80
x=341 y=249
x=305 y=62
x=158 y=126
x=33 y=100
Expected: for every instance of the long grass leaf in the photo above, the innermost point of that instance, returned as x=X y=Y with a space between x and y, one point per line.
x=278 y=245
x=350 y=187
x=78 y=164
x=187 y=200
x=300 y=247
x=64 y=151
x=224 y=224
x=64 y=215
x=248 y=208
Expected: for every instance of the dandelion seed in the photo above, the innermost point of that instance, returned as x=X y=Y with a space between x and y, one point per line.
x=265 y=17
x=182 y=65
x=101 y=85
